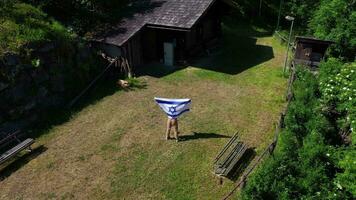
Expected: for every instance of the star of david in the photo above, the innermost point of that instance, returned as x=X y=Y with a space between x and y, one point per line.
x=172 y=109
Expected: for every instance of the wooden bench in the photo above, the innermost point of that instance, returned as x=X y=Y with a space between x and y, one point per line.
x=226 y=161
x=14 y=145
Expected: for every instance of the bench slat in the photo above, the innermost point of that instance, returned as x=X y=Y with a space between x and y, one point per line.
x=235 y=160
x=12 y=152
x=226 y=147
x=231 y=159
x=231 y=154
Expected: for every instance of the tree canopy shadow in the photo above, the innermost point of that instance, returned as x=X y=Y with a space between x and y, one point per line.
x=197 y=136
x=106 y=86
x=234 y=58
x=156 y=69
x=237 y=50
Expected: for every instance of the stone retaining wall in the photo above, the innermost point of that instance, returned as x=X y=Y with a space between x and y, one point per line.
x=31 y=86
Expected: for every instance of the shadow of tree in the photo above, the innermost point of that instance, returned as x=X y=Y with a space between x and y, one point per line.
x=106 y=86
x=197 y=136
x=21 y=161
x=157 y=70
x=236 y=52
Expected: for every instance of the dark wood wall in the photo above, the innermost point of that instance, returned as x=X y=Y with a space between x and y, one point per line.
x=147 y=45
x=132 y=50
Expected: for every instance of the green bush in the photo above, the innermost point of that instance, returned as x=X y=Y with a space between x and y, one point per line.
x=346 y=178
x=309 y=161
x=336 y=20
x=300 y=112
x=22 y=25
x=338 y=86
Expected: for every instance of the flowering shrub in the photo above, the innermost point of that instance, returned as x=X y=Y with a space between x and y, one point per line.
x=338 y=87
x=311 y=160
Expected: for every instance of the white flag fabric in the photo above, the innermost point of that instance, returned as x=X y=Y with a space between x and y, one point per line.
x=174 y=107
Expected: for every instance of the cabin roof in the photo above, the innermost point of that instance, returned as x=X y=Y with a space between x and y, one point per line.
x=178 y=14
x=312 y=40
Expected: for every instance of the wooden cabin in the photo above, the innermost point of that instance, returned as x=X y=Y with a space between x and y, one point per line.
x=310 y=51
x=170 y=32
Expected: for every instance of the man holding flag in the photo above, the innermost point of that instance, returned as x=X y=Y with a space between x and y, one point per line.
x=173 y=108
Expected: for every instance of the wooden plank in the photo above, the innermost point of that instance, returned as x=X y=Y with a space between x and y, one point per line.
x=236 y=159
x=230 y=164
x=228 y=158
x=227 y=145
x=222 y=167
x=15 y=150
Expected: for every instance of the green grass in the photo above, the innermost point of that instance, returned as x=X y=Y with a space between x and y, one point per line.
x=114 y=148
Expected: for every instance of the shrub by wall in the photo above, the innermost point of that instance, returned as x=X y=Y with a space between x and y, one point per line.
x=313 y=158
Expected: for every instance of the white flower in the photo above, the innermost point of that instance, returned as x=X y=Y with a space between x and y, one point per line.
x=338 y=186
x=327 y=154
x=350 y=98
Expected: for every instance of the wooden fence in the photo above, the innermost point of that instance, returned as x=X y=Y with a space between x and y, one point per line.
x=270 y=148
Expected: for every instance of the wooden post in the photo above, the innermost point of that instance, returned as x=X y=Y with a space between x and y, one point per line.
x=259 y=10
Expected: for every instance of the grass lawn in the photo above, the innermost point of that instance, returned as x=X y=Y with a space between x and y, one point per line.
x=115 y=148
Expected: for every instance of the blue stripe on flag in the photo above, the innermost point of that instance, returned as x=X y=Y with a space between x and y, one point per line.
x=172 y=102
x=177 y=115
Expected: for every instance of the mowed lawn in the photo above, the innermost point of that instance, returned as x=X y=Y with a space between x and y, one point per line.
x=115 y=148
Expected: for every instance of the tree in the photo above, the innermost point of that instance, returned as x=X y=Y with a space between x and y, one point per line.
x=336 y=20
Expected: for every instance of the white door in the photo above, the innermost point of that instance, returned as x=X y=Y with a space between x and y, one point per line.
x=168 y=54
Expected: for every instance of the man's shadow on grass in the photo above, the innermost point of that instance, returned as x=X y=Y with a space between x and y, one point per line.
x=196 y=136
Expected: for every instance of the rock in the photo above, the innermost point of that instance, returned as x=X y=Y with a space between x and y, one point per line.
x=57 y=83
x=3 y=86
x=57 y=101
x=84 y=54
x=42 y=92
x=27 y=66
x=16 y=113
x=2 y=118
x=47 y=47
x=39 y=76
x=18 y=93
x=29 y=106
x=11 y=59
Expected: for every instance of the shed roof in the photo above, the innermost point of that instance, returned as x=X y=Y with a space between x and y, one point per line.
x=181 y=14
x=312 y=40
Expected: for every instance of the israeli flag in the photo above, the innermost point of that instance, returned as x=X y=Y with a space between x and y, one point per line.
x=174 y=107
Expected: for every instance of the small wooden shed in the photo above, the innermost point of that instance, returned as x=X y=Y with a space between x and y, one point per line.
x=310 y=51
x=169 y=32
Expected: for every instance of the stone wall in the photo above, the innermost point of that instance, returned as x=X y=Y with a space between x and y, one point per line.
x=43 y=80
